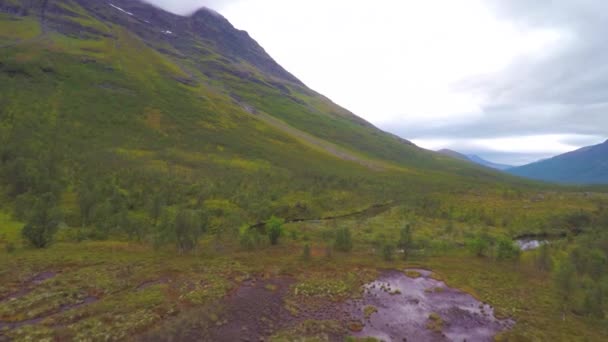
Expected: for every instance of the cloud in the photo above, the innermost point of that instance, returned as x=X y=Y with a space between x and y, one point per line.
x=185 y=7
x=564 y=92
x=434 y=70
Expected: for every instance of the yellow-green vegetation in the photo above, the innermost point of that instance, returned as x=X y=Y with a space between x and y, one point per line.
x=369 y=310
x=435 y=323
x=157 y=174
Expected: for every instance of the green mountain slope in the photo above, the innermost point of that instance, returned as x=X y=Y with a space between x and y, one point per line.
x=588 y=165
x=123 y=99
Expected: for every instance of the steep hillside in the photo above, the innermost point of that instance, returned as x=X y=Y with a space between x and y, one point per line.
x=588 y=165
x=125 y=98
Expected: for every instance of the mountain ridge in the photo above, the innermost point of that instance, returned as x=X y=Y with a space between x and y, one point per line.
x=587 y=165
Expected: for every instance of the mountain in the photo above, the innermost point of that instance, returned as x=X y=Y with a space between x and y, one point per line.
x=123 y=99
x=474 y=159
x=588 y=165
x=481 y=161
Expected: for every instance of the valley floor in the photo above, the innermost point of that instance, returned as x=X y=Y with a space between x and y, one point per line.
x=125 y=291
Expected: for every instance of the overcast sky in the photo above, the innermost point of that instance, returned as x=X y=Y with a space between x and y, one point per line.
x=512 y=81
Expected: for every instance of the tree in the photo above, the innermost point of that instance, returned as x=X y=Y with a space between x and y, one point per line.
x=506 y=249
x=156 y=207
x=543 y=258
x=343 y=242
x=405 y=240
x=274 y=228
x=478 y=246
x=188 y=230
x=565 y=283
x=43 y=222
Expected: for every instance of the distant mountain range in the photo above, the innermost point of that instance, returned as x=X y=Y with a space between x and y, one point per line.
x=588 y=165
x=474 y=159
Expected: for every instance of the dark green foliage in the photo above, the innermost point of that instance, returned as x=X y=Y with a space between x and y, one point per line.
x=343 y=241
x=188 y=230
x=478 y=246
x=249 y=239
x=565 y=282
x=43 y=222
x=543 y=258
x=593 y=304
x=406 y=240
x=274 y=229
x=388 y=251
x=506 y=249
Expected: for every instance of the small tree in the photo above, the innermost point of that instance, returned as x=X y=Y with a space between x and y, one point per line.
x=506 y=249
x=388 y=251
x=343 y=242
x=187 y=230
x=543 y=258
x=478 y=246
x=274 y=228
x=405 y=240
x=43 y=222
x=565 y=283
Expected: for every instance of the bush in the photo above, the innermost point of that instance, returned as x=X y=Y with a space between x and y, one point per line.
x=388 y=251
x=478 y=246
x=249 y=238
x=506 y=249
x=188 y=230
x=343 y=242
x=405 y=240
x=274 y=228
x=543 y=259
x=43 y=222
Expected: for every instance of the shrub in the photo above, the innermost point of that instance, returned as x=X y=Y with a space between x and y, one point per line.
x=188 y=230
x=543 y=259
x=388 y=251
x=506 y=249
x=405 y=240
x=43 y=222
x=343 y=242
x=478 y=246
x=274 y=228
x=249 y=238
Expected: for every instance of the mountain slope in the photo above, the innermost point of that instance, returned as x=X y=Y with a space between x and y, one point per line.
x=588 y=165
x=474 y=159
x=123 y=99
x=481 y=161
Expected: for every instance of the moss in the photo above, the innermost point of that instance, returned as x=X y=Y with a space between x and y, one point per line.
x=369 y=310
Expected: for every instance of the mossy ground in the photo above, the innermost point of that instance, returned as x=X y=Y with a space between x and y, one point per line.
x=137 y=288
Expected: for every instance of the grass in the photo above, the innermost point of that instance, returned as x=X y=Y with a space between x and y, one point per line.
x=179 y=127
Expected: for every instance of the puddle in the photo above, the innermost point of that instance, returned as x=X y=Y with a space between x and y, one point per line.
x=530 y=244
x=398 y=307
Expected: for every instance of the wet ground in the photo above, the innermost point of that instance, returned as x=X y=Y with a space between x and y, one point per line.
x=416 y=307
x=530 y=244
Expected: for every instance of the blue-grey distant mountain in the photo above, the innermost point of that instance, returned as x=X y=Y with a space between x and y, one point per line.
x=588 y=165
x=474 y=159
x=478 y=160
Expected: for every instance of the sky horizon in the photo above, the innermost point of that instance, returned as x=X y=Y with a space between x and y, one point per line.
x=513 y=82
